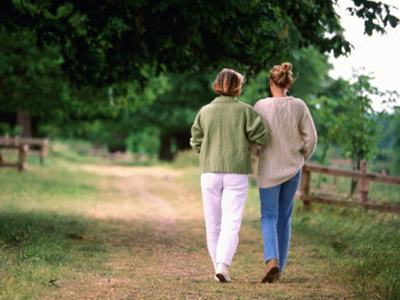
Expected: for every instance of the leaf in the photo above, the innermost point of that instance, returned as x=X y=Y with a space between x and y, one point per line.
x=160 y=7
x=393 y=21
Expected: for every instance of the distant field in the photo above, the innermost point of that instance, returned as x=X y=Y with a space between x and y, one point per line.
x=85 y=228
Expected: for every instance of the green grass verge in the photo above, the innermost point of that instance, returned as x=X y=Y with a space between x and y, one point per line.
x=43 y=236
x=361 y=247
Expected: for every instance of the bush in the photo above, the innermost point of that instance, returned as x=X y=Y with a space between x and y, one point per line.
x=6 y=129
x=187 y=158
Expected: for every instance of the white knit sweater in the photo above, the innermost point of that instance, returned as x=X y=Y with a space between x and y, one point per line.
x=292 y=141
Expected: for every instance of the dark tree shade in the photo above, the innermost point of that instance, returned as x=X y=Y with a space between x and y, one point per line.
x=103 y=41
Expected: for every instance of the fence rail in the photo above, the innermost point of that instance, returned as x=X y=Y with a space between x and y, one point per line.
x=22 y=151
x=362 y=176
x=15 y=142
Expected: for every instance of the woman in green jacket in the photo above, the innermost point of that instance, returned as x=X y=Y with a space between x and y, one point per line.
x=222 y=133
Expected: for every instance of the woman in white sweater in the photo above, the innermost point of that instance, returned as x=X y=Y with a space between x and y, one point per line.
x=292 y=142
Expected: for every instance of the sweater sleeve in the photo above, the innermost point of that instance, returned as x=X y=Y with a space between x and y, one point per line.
x=197 y=134
x=256 y=130
x=308 y=134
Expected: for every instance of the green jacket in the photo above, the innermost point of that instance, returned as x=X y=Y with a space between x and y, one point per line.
x=222 y=133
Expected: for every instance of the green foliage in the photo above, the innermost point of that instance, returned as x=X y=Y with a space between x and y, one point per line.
x=175 y=110
x=105 y=42
x=168 y=118
x=346 y=118
x=395 y=129
x=7 y=130
x=310 y=68
x=30 y=77
x=325 y=113
x=107 y=121
x=376 y=15
x=145 y=141
x=359 y=127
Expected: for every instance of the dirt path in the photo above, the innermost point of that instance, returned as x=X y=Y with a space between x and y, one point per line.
x=152 y=222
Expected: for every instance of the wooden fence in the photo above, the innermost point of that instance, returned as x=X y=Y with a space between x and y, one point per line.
x=362 y=176
x=20 y=164
x=23 y=145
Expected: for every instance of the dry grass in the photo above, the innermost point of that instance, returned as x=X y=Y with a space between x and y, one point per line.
x=151 y=221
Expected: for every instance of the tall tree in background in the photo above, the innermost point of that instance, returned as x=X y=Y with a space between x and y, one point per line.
x=31 y=80
x=310 y=67
x=166 y=119
x=108 y=48
x=103 y=42
x=396 y=143
x=173 y=112
x=358 y=120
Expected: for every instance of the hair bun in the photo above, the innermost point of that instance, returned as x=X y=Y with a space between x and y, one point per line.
x=282 y=75
x=286 y=67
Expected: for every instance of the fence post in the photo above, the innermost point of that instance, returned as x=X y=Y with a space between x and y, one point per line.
x=364 y=184
x=43 y=151
x=305 y=187
x=23 y=149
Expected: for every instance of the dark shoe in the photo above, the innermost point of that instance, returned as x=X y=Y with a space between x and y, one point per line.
x=273 y=271
x=222 y=273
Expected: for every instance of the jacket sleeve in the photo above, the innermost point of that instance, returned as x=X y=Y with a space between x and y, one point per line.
x=308 y=134
x=256 y=130
x=197 y=134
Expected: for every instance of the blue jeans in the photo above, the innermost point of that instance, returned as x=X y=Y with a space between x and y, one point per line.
x=276 y=215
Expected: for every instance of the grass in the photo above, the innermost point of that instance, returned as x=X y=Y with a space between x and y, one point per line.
x=362 y=247
x=43 y=236
x=378 y=192
x=81 y=227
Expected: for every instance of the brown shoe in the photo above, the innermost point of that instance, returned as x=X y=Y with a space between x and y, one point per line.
x=273 y=271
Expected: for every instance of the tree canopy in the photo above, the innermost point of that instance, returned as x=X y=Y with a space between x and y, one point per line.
x=84 y=68
x=103 y=42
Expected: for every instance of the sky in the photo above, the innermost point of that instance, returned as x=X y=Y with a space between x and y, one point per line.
x=377 y=54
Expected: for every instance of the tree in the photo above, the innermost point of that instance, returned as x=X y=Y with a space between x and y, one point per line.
x=30 y=78
x=346 y=117
x=396 y=143
x=33 y=85
x=173 y=112
x=104 y=42
x=112 y=51
x=111 y=121
x=165 y=116
x=359 y=127
x=310 y=68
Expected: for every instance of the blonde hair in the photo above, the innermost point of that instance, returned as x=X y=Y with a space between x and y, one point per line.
x=228 y=83
x=282 y=75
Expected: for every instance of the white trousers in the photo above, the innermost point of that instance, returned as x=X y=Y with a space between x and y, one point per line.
x=224 y=197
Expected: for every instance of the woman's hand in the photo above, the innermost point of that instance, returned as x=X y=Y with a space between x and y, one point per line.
x=255 y=150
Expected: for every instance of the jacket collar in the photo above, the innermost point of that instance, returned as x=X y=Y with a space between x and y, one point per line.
x=225 y=99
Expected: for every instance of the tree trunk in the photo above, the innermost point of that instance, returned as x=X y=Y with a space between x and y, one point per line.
x=25 y=121
x=182 y=140
x=165 y=152
x=354 y=182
